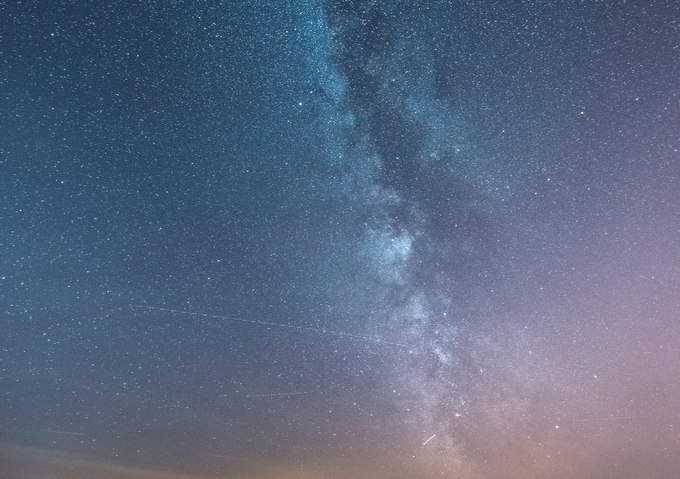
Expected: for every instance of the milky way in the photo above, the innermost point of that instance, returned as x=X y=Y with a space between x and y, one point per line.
x=340 y=239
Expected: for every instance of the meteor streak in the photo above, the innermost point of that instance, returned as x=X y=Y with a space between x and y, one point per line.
x=267 y=395
x=68 y=433
x=429 y=439
x=351 y=336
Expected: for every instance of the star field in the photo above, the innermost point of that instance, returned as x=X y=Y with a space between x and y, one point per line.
x=339 y=239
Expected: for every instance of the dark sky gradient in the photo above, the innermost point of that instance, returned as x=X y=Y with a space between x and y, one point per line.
x=339 y=239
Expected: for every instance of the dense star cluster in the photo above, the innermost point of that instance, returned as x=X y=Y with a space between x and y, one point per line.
x=339 y=239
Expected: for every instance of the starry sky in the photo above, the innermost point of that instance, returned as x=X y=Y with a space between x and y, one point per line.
x=347 y=239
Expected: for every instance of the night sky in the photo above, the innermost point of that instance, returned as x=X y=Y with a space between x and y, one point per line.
x=346 y=239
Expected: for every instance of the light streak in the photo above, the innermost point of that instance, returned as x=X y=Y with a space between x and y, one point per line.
x=68 y=433
x=351 y=336
x=603 y=419
x=269 y=395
